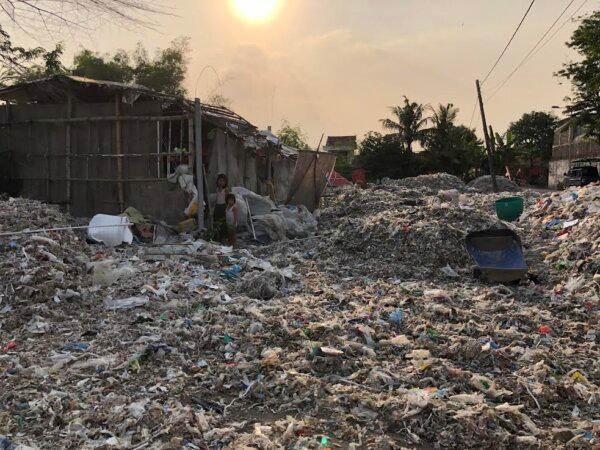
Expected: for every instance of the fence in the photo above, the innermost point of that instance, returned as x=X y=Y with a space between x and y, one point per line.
x=94 y=157
x=576 y=150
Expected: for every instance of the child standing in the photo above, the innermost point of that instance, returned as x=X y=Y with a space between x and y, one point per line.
x=220 y=223
x=231 y=218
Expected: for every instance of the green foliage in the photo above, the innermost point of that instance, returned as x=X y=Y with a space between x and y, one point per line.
x=450 y=148
x=385 y=156
x=116 y=68
x=408 y=123
x=447 y=148
x=343 y=166
x=292 y=136
x=19 y=64
x=532 y=136
x=505 y=153
x=584 y=75
x=164 y=73
x=438 y=137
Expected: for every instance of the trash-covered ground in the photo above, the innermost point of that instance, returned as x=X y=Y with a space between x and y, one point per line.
x=372 y=334
x=484 y=184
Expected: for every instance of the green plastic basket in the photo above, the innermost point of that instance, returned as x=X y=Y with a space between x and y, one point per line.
x=509 y=209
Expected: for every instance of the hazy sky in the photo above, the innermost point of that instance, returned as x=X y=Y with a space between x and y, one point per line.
x=334 y=66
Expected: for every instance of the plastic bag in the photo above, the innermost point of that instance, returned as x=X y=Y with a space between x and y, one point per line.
x=101 y=229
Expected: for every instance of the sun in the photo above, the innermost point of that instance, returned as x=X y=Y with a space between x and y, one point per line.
x=256 y=10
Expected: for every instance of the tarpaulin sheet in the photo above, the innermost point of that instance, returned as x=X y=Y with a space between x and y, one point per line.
x=310 y=178
x=337 y=180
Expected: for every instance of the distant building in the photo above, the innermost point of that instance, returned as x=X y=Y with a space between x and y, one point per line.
x=570 y=144
x=341 y=146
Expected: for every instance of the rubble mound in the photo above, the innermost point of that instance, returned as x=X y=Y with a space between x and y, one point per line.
x=394 y=239
x=484 y=184
x=361 y=337
x=17 y=214
x=433 y=182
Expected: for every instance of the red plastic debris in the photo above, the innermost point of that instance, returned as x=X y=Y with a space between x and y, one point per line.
x=545 y=329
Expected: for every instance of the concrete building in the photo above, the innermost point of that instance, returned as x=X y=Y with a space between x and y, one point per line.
x=341 y=146
x=570 y=144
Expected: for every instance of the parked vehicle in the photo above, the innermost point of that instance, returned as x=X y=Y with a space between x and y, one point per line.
x=581 y=174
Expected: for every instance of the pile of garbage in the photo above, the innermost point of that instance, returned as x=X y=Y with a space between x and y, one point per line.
x=484 y=184
x=371 y=334
x=271 y=222
x=380 y=234
x=565 y=228
x=431 y=182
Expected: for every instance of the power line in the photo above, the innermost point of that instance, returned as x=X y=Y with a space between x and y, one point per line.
x=560 y=28
x=473 y=113
x=501 y=85
x=509 y=42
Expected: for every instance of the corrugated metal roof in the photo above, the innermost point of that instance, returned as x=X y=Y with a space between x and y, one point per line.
x=58 y=88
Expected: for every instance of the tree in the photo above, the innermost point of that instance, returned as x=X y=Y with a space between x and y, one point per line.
x=505 y=152
x=467 y=153
x=292 y=136
x=41 y=15
x=584 y=105
x=219 y=100
x=164 y=73
x=117 y=68
x=438 y=136
x=533 y=135
x=380 y=157
x=19 y=64
x=408 y=123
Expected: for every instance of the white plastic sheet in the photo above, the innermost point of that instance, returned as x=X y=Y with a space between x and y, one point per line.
x=110 y=230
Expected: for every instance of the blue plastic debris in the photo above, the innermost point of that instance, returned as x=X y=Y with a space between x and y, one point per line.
x=77 y=346
x=554 y=223
x=232 y=272
x=5 y=443
x=397 y=317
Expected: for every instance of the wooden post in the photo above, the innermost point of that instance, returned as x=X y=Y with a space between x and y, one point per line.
x=268 y=158
x=157 y=149
x=47 y=157
x=199 y=167
x=488 y=144
x=493 y=139
x=87 y=157
x=68 y=152
x=169 y=150
x=316 y=161
x=181 y=126
x=191 y=144
x=119 y=149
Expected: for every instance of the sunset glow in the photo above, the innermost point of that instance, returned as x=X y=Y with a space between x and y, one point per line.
x=256 y=10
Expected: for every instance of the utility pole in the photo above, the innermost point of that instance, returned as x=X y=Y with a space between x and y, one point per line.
x=198 y=155
x=493 y=140
x=488 y=144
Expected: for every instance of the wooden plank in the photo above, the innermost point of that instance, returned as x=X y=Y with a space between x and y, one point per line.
x=119 y=150
x=99 y=119
x=68 y=152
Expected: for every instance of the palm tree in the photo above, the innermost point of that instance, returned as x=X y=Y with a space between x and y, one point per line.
x=442 y=118
x=408 y=122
